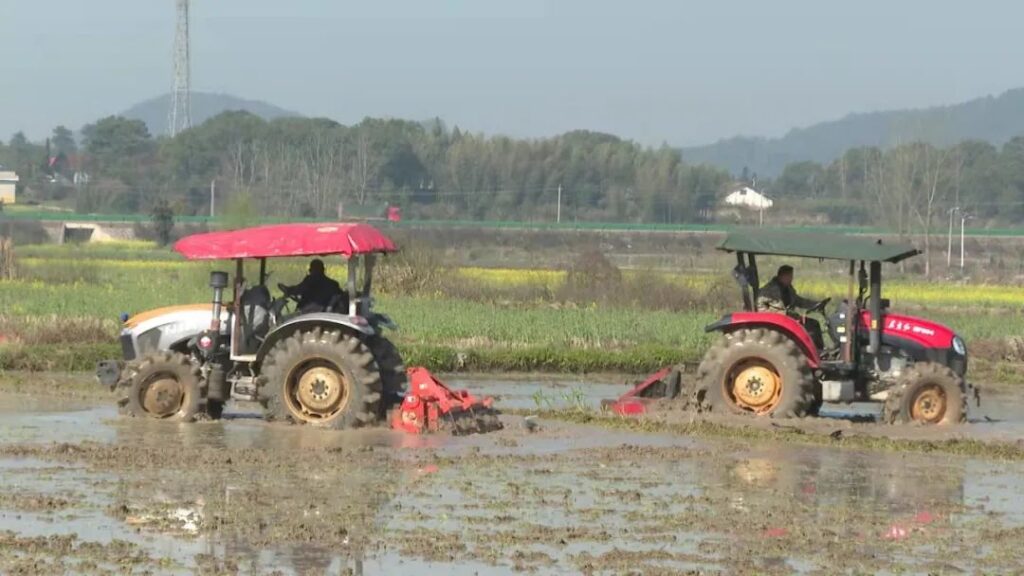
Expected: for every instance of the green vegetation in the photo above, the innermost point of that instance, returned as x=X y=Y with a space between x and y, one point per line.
x=298 y=167
x=61 y=310
x=315 y=168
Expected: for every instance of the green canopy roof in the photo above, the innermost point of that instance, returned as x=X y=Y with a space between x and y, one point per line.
x=816 y=245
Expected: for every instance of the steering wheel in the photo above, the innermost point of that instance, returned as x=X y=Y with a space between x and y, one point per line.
x=820 y=306
x=287 y=294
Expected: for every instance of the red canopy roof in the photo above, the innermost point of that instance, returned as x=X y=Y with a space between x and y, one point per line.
x=286 y=240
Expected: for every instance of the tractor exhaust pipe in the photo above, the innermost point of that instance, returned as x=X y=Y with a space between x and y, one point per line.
x=875 y=334
x=218 y=281
x=217 y=386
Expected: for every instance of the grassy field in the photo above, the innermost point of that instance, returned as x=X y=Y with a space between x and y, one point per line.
x=61 y=309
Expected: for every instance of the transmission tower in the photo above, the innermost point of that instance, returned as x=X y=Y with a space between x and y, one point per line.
x=180 y=117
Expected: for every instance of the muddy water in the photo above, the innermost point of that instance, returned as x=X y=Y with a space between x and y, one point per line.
x=242 y=496
x=998 y=416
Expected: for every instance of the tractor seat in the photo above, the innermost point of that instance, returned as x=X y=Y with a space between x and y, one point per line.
x=256 y=302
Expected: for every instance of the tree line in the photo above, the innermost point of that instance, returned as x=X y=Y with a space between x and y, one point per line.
x=311 y=167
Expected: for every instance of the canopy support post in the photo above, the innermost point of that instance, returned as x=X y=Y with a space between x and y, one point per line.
x=875 y=338
x=755 y=282
x=744 y=282
x=851 y=311
x=350 y=286
x=236 y=313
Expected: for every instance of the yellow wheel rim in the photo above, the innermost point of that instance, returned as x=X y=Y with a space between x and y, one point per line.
x=163 y=398
x=754 y=385
x=929 y=405
x=316 y=391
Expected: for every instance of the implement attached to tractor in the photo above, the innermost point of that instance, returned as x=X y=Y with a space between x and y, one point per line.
x=766 y=363
x=430 y=406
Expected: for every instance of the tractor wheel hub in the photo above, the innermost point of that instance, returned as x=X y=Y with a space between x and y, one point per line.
x=756 y=386
x=320 y=390
x=163 y=397
x=929 y=405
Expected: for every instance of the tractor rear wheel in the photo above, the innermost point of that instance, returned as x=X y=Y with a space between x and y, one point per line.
x=392 y=372
x=326 y=379
x=757 y=372
x=927 y=393
x=165 y=386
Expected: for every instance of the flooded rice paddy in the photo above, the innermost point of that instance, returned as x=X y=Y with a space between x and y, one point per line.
x=86 y=491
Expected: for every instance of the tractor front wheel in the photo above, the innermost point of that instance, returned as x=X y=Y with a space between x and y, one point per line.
x=326 y=379
x=928 y=393
x=164 y=386
x=756 y=372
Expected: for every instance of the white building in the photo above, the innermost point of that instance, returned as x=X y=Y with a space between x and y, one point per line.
x=747 y=197
x=8 y=185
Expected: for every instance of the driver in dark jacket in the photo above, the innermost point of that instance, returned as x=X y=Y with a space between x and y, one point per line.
x=778 y=295
x=316 y=291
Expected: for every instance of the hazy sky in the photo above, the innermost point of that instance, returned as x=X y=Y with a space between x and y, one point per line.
x=679 y=71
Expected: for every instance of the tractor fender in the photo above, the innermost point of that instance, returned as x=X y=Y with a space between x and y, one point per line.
x=323 y=320
x=779 y=322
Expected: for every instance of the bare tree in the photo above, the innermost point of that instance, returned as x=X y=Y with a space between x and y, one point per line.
x=366 y=167
x=935 y=172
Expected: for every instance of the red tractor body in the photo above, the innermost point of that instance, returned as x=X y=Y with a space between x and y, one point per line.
x=767 y=364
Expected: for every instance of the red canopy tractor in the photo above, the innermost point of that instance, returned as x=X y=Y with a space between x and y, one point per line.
x=326 y=364
x=766 y=364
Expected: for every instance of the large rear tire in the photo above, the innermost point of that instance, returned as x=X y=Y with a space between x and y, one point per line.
x=394 y=378
x=756 y=372
x=927 y=393
x=164 y=386
x=326 y=379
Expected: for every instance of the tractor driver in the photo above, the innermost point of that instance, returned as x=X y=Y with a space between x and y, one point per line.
x=778 y=295
x=317 y=291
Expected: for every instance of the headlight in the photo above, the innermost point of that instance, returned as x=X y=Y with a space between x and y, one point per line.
x=958 y=346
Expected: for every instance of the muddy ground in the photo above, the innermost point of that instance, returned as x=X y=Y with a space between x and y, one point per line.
x=88 y=492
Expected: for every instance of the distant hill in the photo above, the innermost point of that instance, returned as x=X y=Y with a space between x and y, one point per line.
x=992 y=119
x=204 y=106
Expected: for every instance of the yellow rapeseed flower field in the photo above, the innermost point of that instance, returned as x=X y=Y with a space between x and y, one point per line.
x=898 y=290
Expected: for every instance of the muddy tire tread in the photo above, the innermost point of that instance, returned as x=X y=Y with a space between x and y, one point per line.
x=894 y=412
x=351 y=355
x=799 y=397
x=173 y=361
x=394 y=379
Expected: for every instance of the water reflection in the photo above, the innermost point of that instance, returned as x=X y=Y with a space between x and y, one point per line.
x=896 y=483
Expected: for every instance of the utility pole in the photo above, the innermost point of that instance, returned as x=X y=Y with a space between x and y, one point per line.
x=558 y=217
x=213 y=197
x=949 y=238
x=963 y=221
x=180 y=117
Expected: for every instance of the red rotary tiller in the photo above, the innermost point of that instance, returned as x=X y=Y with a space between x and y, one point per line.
x=431 y=406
